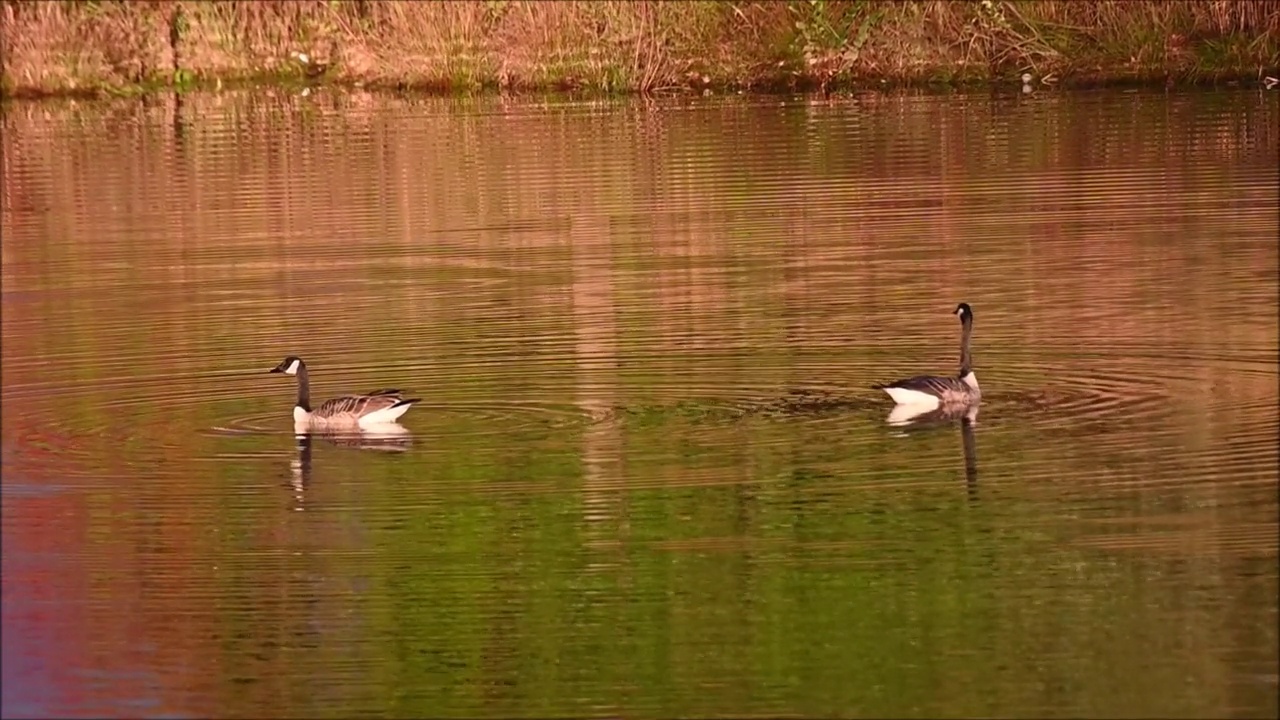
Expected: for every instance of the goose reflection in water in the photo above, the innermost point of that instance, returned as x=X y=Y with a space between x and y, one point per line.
x=390 y=437
x=905 y=416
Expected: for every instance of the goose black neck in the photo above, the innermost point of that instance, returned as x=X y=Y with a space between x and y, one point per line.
x=304 y=388
x=966 y=357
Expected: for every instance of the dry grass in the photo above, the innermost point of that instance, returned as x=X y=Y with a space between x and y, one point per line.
x=619 y=46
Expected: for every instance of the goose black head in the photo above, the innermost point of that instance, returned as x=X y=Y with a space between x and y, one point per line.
x=288 y=366
x=963 y=311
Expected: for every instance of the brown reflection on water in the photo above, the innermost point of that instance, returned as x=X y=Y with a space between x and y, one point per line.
x=606 y=305
x=596 y=351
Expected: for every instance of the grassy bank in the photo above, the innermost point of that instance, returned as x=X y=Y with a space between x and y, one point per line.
x=620 y=46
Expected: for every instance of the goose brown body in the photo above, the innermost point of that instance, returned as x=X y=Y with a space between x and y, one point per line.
x=360 y=405
x=948 y=389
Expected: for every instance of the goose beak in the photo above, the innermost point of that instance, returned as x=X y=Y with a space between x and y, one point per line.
x=275 y=370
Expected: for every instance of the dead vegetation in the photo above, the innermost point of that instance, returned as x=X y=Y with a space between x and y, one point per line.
x=629 y=46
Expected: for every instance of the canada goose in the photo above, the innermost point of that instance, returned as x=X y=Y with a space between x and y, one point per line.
x=932 y=391
x=364 y=412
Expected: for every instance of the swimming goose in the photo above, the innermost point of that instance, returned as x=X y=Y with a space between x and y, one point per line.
x=932 y=391
x=370 y=411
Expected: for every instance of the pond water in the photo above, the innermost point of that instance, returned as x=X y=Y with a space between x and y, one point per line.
x=648 y=476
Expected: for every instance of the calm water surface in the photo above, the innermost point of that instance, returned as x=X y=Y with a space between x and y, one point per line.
x=648 y=478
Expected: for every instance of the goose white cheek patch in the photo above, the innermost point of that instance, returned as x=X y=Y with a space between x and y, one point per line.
x=293 y=368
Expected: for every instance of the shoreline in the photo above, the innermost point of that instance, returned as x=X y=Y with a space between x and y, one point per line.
x=762 y=87
x=613 y=47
